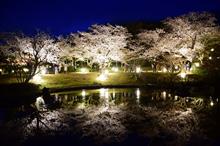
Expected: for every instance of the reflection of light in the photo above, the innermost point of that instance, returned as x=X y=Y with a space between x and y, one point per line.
x=138 y=93
x=84 y=70
x=66 y=97
x=83 y=93
x=210 y=57
x=106 y=94
x=103 y=92
x=175 y=97
x=164 y=69
x=0 y=70
x=56 y=97
x=212 y=49
x=81 y=105
x=113 y=94
x=37 y=78
x=40 y=104
x=25 y=69
x=102 y=77
x=197 y=64
x=12 y=71
x=115 y=69
x=176 y=67
x=182 y=75
x=164 y=94
x=211 y=103
x=138 y=69
x=216 y=99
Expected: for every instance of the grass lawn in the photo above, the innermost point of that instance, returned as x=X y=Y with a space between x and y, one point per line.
x=78 y=79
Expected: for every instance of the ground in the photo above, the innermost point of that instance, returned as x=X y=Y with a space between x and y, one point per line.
x=79 y=79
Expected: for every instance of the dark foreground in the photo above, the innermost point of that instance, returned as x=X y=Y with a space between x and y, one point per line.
x=114 y=117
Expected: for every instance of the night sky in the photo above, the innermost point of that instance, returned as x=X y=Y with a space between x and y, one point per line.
x=65 y=16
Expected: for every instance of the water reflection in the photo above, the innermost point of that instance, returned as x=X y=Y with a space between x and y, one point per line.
x=40 y=104
x=114 y=97
x=110 y=115
x=138 y=93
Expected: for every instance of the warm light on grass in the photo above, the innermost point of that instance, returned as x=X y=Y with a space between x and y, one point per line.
x=37 y=78
x=106 y=71
x=182 y=75
x=197 y=64
x=114 y=69
x=102 y=77
x=164 y=69
x=43 y=71
x=84 y=70
x=138 y=69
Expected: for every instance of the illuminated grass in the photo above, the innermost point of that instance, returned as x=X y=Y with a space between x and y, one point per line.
x=77 y=79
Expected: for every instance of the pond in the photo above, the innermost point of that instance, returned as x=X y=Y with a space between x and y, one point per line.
x=131 y=116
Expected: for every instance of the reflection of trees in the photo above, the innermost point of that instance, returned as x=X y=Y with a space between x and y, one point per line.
x=160 y=116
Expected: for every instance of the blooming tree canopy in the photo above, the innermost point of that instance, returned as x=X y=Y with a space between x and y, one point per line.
x=190 y=30
x=31 y=53
x=102 y=44
x=181 y=40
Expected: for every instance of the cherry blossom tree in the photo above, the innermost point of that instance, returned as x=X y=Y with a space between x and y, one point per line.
x=190 y=30
x=181 y=41
x=101 y=45
x=27 y=54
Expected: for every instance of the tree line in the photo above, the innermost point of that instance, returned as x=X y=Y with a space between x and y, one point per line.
x=181 y=40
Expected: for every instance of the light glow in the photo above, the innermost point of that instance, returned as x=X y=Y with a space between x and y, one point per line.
x=164 y=95
x=138 y=93
x=182 y=75
x=164 y=69
x=102 y=77
x=83 y=93
x=114 y=69
x=84 y=70
x=212 y=103
x=43 y=71
x=106 y=71
x=197 y=64
x=25 y=69
x=210 y=57
x=37 y=78
x=212 y=49
x=138 y=69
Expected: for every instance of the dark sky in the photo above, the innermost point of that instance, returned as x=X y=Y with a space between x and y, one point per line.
x=65 y=16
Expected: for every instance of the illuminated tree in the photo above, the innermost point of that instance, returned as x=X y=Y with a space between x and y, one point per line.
x=180 y=41
x=190 y=30
x=28 y=54
x=211 y=60
x=101 y=45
